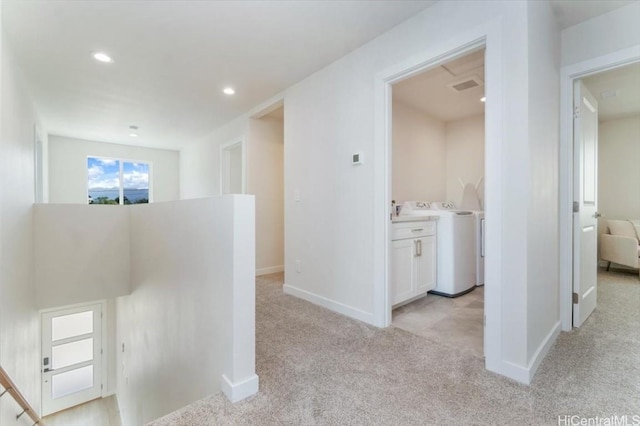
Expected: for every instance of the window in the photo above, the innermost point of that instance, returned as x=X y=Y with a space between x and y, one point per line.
x=112 y=181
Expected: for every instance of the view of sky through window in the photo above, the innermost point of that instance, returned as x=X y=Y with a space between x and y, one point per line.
x=109 y=179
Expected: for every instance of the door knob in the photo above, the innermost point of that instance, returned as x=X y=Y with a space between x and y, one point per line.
x=597 y=215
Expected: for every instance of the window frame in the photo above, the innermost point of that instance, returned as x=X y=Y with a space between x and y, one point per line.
x=121 y=162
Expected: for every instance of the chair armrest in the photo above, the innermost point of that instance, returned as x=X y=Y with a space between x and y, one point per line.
x=619 y=249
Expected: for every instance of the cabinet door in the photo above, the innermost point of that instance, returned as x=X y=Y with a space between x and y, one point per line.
x=402 y=270
x=425 y=262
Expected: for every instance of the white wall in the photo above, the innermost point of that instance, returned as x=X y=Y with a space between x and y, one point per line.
x=190 y=318
x=19 y=319
x=429 y=156
x=618 y=170
x=542 y=302
x=67 y=161
x=419 y=155
x=333 y=114
x=200 y=161
x=265 y=180
x=601 y=35
x=81 y=253
x=200 y=177
x=112 y=348
x=464 y=156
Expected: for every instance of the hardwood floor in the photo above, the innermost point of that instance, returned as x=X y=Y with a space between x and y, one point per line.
x=99 y=412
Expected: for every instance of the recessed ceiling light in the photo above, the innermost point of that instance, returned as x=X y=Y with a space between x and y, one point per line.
x=133 y=135
x=102 y=57
x=482 y=99
x=228 y=91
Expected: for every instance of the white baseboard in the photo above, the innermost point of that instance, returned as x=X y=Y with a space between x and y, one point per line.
x=514 y=371
x=543 y=349
x=523 y=374
x=330 y=304
x=238 y=391
x=269 y=270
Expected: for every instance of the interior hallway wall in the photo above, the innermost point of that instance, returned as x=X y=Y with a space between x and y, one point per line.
x=19 y=317
x=419 y=153
x=265 y=180
x=332 y=114
x=190 y=317
x=200 y=160
x=81 y=253
x=464 y=156
x=542 y=301
x=618 y=170
x=68 y=168
x=601 y=35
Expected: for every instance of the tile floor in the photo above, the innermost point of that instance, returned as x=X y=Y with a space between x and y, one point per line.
x=99 y=412
x=456 y=323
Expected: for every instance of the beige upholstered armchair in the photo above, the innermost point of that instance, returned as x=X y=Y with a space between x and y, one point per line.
x=620 y=243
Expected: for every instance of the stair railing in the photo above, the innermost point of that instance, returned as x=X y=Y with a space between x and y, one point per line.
x=11 y=389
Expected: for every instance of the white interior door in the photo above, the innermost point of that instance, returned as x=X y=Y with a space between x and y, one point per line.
x=585 y=216
x=71 y=357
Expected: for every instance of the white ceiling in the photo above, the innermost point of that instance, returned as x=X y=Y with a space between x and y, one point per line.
x=173 y=58
x=625 y=83
x=429 y=92
x=572 y=12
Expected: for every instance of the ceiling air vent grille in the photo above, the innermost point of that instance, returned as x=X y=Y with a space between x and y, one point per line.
x=466 y=84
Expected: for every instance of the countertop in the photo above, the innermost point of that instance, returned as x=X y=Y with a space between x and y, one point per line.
x=401 y=219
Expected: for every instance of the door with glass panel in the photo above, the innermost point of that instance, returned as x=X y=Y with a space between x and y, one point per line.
x=71 y=357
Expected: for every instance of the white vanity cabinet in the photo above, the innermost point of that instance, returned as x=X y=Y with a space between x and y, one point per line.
x=413 y=259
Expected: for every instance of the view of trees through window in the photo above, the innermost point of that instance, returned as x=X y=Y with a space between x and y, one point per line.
x=113 y=181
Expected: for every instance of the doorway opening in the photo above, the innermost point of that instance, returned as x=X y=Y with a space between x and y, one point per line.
x=265 y=175
x=606 y=184
x=437 y=187
x=73 y=358
x=232 y=168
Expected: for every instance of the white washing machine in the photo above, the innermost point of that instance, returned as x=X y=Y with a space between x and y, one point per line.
x=478 y=232
x=455 y=247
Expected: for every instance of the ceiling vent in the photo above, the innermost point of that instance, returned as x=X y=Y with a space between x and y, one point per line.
x=466 y=84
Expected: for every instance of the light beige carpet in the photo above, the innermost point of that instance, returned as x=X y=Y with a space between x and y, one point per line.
x=320 y=368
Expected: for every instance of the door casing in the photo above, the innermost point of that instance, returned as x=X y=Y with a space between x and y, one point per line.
x=103 y=362
x=585 y=231
x=225 y=170
x=568 y=75
x=490 y=37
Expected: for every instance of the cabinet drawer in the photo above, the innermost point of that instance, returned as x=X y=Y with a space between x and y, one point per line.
x=412 y=229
